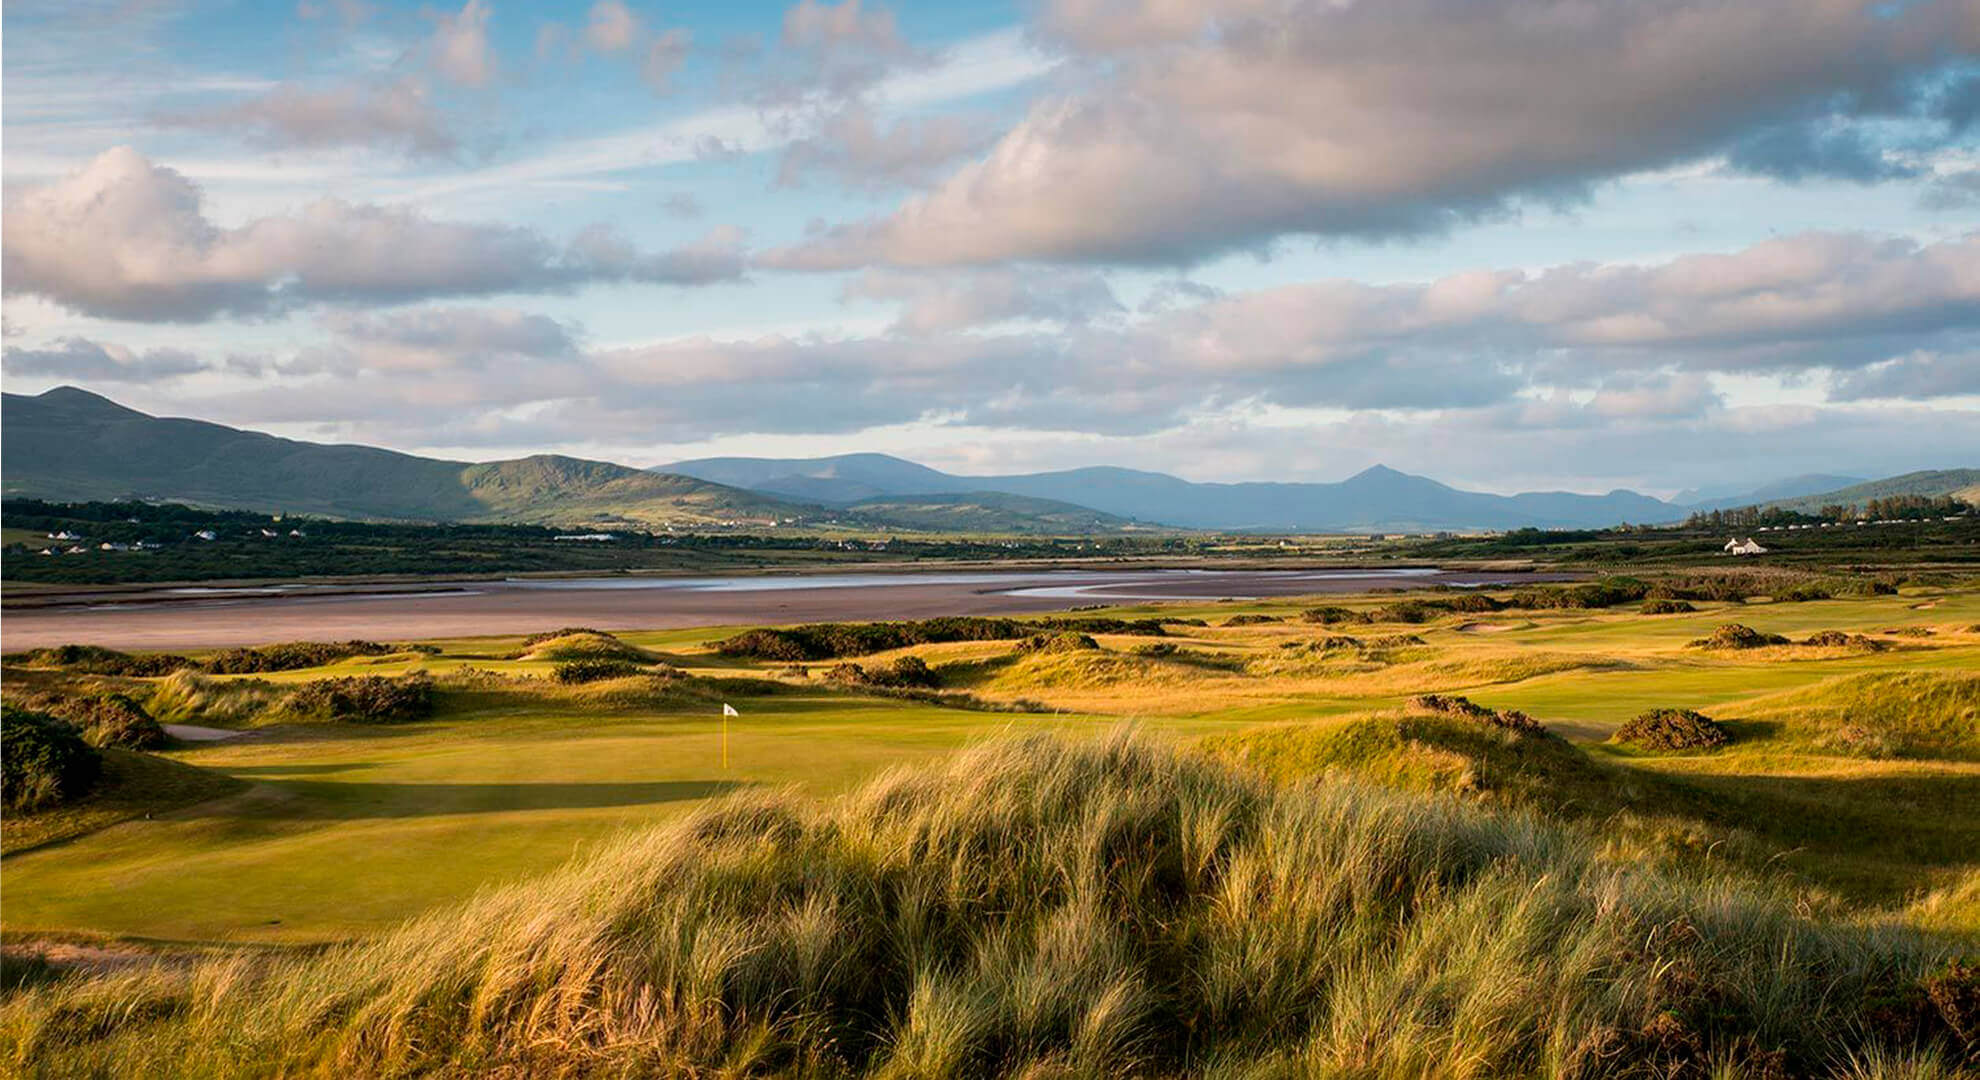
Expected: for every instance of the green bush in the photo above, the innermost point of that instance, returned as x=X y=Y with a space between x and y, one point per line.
x=1667 y=607
x=906 y=673
x=584 y=671
x=1462 y=708
x=44 y=761
x=363 y=699
x=1839 y=639
x=827 y=641
x=292 y=656
x=1252 y=620
x=1065 y=641
x=1672 y=730
x=563 y=631
x=1736 y=636
x=96 y=660
x=113 y=720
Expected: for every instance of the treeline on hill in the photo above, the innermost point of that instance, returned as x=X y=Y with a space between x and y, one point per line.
x=1920 y=539
x=828 y=641
x=1889 y=508
x=289 y=656
x=350 y=548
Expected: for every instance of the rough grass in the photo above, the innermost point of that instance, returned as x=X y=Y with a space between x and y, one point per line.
x=1039 y=908
x=1900 y=714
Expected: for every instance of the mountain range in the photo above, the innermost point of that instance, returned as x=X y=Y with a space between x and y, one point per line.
x=70 y=444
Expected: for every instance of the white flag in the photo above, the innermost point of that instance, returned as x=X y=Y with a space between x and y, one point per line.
x=729 y=710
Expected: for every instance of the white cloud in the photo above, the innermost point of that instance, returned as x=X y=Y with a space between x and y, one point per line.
x=127 y=239
x=461 y=50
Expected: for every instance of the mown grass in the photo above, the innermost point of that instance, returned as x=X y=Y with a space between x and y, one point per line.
x=1045 y=908
x=130 y=785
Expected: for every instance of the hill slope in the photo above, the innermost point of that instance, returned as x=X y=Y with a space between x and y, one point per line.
x=1962 y=482
x=1724 y=496
x=1038 y=908
x=71 y=444
x=1377 y=499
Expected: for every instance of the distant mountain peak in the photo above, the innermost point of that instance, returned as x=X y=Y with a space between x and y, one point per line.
x=1379 y=472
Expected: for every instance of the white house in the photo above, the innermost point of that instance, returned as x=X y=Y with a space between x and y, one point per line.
x=1736 y=546
x=206 y=534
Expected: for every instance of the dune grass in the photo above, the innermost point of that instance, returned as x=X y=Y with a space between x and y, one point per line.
x=347 y=828
x=1045 y=908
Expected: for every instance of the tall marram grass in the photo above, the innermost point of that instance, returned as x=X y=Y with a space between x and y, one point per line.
x=1045 y=908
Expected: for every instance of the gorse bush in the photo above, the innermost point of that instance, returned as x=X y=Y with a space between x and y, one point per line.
x=1463 y=708
x=579 y=644
x=584 y=671
x=292 y=656
x=1838 y=639
x=1737 y=636
x=827 y=641
x=363 y=699
x=1667 y=607
x=112 y=719
x=1065 y=641
x=96 y=660
x=1045 y=909
x=44 y=761
x=906 y=673
x=1672 y=729
x=1252 y=620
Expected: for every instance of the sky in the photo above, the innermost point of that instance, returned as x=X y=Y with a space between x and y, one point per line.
x=1511 y=244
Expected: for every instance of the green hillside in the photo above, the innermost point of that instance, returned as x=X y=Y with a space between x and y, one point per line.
x=71 y=444
x=1964 y=483
x=988 y=512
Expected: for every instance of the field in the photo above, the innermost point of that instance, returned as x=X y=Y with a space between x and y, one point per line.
x=1851 y=782
x=347 y=828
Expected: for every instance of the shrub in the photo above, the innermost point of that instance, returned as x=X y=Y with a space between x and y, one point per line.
x=826 y=641
x=1600 y=594
x=96 y=660
x=292 y=656
x=1330 y=642
x=1408 y=611
x=1252 y=620
x=1673 y=729
x=1736 y=636
x=363 y=699
x=113 y=720
x=1806 y=591
x=1393 y=641
x=584 y=671
x=44 y=761
x=1465 y=709
x=1910 y=631
x=586 y=645
x=1065 y=641
x=1838 y=639
x=1667 y=607
x=1332 y=615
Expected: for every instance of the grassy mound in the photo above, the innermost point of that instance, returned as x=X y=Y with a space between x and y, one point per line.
x=188 y=697
x=1252 y=620
x=1667 y=607
x=44 y=761
x=130 y=785
x=1736 y=636
x=1065 y=641
x=905 y=673
x=1672 y=730
x=588 y=671
x=1045 y=909
x=1917 y=714
x=586 y=645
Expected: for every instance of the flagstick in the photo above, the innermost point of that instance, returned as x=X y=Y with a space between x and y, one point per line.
x=725 y=740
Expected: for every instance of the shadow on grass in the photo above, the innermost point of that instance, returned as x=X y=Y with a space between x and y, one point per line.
x=322 y=800
x=299 y=770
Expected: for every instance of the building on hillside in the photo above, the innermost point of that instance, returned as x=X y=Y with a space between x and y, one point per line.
x=1737 y=546
x=206 y=534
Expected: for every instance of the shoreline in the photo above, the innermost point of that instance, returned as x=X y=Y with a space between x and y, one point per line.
x=408 y=611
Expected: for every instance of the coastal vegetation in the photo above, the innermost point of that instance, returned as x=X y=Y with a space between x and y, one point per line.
x=1526 y=796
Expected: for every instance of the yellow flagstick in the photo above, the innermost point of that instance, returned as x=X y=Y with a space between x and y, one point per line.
x=727 y=711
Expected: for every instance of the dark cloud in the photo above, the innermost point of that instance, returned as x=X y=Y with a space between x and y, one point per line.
x=1917 y=376
x=130 y=240
x=1215 y=126
x=76 y=358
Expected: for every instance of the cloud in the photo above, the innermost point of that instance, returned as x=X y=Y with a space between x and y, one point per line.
x=399 y=113
x=849 y=143
x=612 y=27
x=664 y=56
x=460 y=46
x=75 y=358
x=127 y=239
x=839 y=50
x=939 y=303
x=1204 y=128
x=1916 y=376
